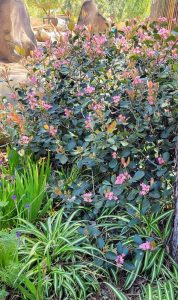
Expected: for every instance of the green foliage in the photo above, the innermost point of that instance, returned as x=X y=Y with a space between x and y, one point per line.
x=120 y=9
x=9 y=265
x=23 y=189
x=61 y=256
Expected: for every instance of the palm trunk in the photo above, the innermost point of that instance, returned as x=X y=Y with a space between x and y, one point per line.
x=175 y=229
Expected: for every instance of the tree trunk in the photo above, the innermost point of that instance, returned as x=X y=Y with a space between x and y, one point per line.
x=175 y=230
x=158 y=8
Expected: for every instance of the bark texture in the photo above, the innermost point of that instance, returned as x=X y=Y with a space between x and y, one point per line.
x=15 y=29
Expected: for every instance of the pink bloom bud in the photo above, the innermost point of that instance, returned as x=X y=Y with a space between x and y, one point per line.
x=114 y=155
x=160 y=160
x=120 y=260
x=146 y=246
x=144 y=189
x=116 y=99
x=89 y=90
x=87 y=197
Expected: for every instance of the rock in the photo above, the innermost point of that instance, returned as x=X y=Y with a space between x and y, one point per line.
x=15 y=30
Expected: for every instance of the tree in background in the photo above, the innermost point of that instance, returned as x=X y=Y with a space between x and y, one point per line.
x=44 y=5
x=120 y=9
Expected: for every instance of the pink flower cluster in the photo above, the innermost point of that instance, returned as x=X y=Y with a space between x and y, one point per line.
x=122 y=43
x=116 y=99
x=60 y=52
x=150 y=53
x=33 y=80
x=122 y=119
x=68 y=112
x=137 y=80
x=46 y=106
x=136 y=50
x=121 y=178
x=52 y=130
x=80 y=94
x=162 y=19
x=89 y=123
x=97 y=106
x=24 y=140
x=38 y=54
x=146 y=246
x=95 y=46
x=87 y=197
x=110 y=196
x=32 y=100
x=114 y=155
x=89 y=89
x=160 y=160
x=145 y=188
x=164 y=33
x=120 y=260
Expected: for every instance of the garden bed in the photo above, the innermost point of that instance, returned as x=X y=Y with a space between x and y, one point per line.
x=89 y=184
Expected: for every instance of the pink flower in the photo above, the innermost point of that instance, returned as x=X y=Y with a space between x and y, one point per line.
x=57 y=64
x=137 y=80
x=68 y=112
x=38 y=53
x=110 y=196
x=89 y=90
x=146 y=246
x=116 y=99
x=24 y=140
x=46 y=106
x=48 y=43
x=114 y=155
x=137 y=50
x=150 y=53
x=144 y=189
x=164 y=33
x=89 y=123
x=33 y=80
x=160 y=160
x=162 y=19
x=80 y=94
x=79 y=28
x=98 y=106
x=120 y=260
x=52 y=130
x=32 y=100
x=87 y=197
x=122 y=119
x=121 y=178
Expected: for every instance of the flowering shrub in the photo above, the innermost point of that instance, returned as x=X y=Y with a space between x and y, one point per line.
x=107 y=105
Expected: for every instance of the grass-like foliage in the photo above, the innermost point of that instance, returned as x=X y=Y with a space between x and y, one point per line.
x=23 y=187
x=64 y=258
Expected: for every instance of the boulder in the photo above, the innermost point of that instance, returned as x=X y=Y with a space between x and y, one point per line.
x=15 y=31
x=89 y=15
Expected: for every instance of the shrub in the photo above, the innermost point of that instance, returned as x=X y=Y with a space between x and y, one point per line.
x=107 y=107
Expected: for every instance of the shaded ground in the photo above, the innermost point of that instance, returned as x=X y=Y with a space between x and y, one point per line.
x=17 y=74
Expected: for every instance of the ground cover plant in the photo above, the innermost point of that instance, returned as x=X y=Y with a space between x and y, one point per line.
x=105 y=109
